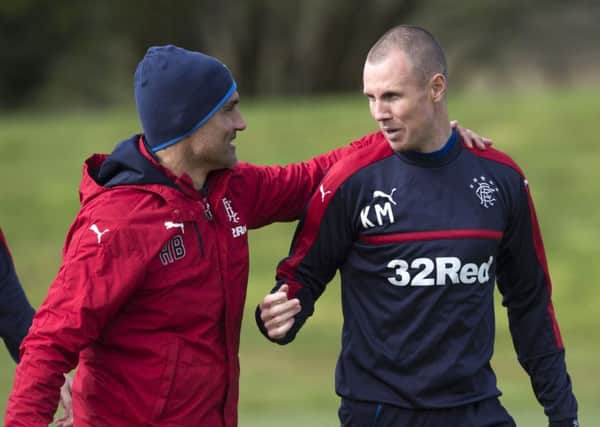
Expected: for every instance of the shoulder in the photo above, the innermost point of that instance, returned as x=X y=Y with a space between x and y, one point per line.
x=368 y=140
x=131 y=201
x=369 y=150
x=496 y=156
x=130 y=215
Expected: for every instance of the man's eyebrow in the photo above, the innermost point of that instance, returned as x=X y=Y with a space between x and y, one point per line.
x=391 y=93
x=386 y=95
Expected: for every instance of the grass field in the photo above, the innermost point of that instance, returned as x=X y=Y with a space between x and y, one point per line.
x=550 y=134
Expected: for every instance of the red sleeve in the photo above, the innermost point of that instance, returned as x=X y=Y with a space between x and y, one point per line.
x=96 y=277
x=281 y=193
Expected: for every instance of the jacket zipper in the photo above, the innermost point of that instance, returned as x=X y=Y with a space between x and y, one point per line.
x=207 y=211
x=207 y=214
x=200 y=243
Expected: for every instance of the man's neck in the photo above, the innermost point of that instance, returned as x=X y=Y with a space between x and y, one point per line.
x=440 y=133
x=174 y=159
x=198 y=176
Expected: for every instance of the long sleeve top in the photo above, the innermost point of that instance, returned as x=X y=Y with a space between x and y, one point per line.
x=419 y=241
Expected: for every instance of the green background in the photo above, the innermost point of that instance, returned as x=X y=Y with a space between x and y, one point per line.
x=549 y=133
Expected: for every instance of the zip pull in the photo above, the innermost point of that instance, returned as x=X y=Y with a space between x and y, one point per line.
x=207 y=211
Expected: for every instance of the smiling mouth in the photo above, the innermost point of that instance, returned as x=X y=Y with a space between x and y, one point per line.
x=391 y=132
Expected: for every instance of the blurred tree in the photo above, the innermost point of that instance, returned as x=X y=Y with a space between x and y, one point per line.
x=33 y=34
x=84 y=52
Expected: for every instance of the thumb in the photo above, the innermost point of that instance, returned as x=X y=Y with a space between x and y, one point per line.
x=284 y=288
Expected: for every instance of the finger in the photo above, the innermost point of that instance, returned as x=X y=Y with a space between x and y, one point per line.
x=467 y=136
x=271 y=309
x=275 y=311
x=479 y=143
x=282 y=317
x=281 y=330
x=277 y=297
x=273 y=299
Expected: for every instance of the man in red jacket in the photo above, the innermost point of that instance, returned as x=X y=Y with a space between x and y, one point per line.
x=148 y=300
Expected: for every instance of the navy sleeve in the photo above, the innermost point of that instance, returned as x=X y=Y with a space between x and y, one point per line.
x=524 y=281
x=321 y=243
x=15 y=311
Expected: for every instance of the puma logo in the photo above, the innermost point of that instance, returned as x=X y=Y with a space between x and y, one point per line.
x=171 y=224
x=378 y=193
x=323 y=192
x=99 y=234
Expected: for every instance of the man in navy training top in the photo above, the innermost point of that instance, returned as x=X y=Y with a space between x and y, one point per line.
x=15 y=311
x=420 y=228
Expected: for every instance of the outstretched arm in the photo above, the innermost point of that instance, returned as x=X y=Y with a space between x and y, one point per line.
x=281 y=193
x=321 y=243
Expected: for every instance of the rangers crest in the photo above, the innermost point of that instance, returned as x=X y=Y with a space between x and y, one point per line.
x=484 y=190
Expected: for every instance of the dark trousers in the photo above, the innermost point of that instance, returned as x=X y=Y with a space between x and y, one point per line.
x=487 y=413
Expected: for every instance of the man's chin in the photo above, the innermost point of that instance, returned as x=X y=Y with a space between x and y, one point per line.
x=397 y=144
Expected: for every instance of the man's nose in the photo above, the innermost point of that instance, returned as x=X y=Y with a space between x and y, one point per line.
x=240 y=123
x=380 y=111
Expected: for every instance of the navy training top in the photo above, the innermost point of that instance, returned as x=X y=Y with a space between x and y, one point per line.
x=15 y=311
x=419 y=241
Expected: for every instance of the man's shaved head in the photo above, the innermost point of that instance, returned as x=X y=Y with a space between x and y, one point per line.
x=423 y=50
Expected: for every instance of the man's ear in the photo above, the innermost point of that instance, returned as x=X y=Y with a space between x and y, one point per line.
x=437 y=86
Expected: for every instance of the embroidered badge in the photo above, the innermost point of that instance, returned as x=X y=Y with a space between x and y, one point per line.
x=484 y=190
x=232 y=215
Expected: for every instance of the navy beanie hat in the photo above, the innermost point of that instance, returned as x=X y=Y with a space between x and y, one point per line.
x=177 y=91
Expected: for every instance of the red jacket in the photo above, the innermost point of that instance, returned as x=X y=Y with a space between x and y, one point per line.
x=149 y=298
